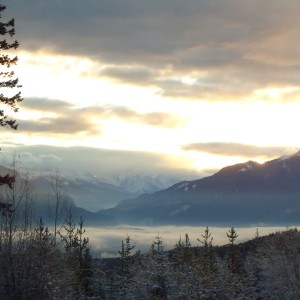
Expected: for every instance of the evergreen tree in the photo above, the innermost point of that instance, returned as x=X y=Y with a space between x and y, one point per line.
x=125 y=255
x=231 y=270
x=8 y=79
x=207 y=259
x=184 y=251
x=233 y=252
x=78 y=257
x=8 y=82
x=184 y=267
x=123 y=277
x=160 y=264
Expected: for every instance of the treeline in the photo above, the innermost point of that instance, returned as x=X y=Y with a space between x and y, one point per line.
x=263 y=268
x=37 y=262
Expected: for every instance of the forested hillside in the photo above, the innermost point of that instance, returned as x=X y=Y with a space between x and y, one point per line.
x=263 y=268
x=41 y=263
x=37 y=262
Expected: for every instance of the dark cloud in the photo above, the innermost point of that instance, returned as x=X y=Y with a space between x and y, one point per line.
x=234 y=46
x=41 y=104
x=59 y=125
x=236 y=149
x=130 y=74
x=200 y=90
x=69 y=119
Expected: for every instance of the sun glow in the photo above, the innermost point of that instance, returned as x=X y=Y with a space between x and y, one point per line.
x=275 y=93
x=74 y=79
x=78 y=81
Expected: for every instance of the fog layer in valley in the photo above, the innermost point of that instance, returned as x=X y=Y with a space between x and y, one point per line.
x=106 y=241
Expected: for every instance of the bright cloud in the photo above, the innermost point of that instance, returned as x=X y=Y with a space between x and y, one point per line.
x=162 y=76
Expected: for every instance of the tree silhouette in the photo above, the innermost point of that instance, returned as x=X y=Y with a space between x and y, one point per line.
x=8 y=77
x=8 y=82
x=233 y=255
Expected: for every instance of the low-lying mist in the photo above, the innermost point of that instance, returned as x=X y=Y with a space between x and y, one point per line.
x=106 y=241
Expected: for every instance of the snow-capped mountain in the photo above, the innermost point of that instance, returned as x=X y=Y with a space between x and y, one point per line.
x=93 y=193
x=246 y=193
x=140 y=183
x=86 y=191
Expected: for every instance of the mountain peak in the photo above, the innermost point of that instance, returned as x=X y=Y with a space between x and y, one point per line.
x=246 y=193
x=241 y=167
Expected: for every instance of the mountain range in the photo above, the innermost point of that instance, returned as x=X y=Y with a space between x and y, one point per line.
x=243 y=194
x=93 y=193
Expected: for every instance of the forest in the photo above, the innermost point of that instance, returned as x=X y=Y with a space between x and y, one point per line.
x=56 y=262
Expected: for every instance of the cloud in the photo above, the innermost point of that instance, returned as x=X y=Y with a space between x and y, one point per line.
x=69 y=119
x=236 y=149
x=64 y=118
x=42 y=104
x=159 y=119
x=102 y=163
x=59 y=125
x=230 y=47
x=130 y=74
x=28 y=160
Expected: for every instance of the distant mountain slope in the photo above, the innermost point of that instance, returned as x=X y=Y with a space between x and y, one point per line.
x=141 y=183
x=246 y=193
x=94 y=193
x=87 y=192
x=84 y=193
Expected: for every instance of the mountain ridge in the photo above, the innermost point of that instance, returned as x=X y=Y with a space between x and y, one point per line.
x=242 y=194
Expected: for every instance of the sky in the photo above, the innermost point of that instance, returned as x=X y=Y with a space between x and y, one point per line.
x=190 y=85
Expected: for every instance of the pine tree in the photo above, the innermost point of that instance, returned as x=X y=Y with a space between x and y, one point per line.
x=183 y=250
x=8 y=82
x=123 y=277
x=207 y=260
x=125 y=257
x=235 y=282
x=78 y=257
x=184 y=270
x=232 y=254
x=159 y=273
